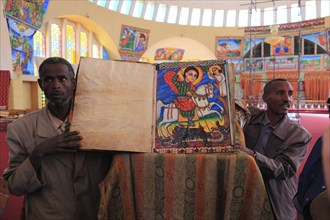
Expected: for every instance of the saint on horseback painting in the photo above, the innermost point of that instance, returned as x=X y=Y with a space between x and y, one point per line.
x=192 y=108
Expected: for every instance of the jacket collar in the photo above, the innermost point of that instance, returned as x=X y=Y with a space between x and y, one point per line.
x=280 y=130
x=45 y=128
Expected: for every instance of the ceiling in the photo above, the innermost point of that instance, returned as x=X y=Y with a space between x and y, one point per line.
x=227 y=5
x=230 y=13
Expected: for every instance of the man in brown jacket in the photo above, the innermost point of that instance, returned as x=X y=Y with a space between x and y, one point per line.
x=278 y=145
x=59 y=181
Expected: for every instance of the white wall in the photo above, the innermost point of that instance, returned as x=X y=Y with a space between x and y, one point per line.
x=5 y=50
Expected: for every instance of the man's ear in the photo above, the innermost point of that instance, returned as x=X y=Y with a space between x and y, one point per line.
x=265 y=98
x=40 y=84
x=74 y=84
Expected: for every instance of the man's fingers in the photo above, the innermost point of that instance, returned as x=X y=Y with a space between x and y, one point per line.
x=70 y=145
x=66 y=150
x=70 y=133
x=73 y=138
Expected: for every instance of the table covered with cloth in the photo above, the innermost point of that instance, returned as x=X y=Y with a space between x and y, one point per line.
x=184 y=186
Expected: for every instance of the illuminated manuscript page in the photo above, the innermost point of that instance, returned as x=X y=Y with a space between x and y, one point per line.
x=113 y=106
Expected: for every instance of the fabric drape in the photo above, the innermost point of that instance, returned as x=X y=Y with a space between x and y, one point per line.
x=4 y=88
x=317 y=86
x=251 y=84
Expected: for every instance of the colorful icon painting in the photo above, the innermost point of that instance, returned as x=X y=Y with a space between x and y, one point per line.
x=133 y=42
x=174 y=54
x=229 y=47
x=192 y=104
x=21 y=41
x=24 y=18
x=29 y=12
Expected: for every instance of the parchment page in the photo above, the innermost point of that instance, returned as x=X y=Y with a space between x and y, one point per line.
x=113 y=107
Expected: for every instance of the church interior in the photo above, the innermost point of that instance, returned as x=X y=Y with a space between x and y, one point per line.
x=260 y=40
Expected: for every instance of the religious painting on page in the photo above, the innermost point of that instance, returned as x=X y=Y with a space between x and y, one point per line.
x=193 y=108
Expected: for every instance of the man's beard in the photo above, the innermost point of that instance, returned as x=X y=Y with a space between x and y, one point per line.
x=60 y=104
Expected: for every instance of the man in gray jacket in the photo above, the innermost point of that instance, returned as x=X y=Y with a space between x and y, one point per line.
x=59 y=181
x=278 y=146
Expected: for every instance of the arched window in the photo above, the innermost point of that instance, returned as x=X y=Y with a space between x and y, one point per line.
x=55 y=40
x=39 y=44
x=96 y=51
x=76 y=40
x=83 y=44
x=71 y=44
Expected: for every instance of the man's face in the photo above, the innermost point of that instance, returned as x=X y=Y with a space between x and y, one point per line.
x=191 y=76
x=215 y=71
x=57 y=84
x=280 y=98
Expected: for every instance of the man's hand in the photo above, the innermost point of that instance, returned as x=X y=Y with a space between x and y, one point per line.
x=66 y=142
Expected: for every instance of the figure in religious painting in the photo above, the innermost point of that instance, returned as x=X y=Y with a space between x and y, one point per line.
x=184 y=83
x=160 y=54
x=141 y=43
x=26 y=9
x=215 y=72
x=16 y=40
x=17 y=63
x=128 y=37
x=176 y=55
x=9 y=5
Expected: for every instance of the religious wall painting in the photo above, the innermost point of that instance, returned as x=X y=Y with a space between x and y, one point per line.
x=192 y=102
x=319 y=22
x=228 y=47
x=328 y=35
x=238 y=65
x=318 y=38
x=29 y=12
x=135 y=40
x=284 y=47
x=254 y=65
x=21 y=41
x=310 y=62
x=250 y=43
x=169 y=53
x=326 y=61
x=129 y=55
x=281 y=63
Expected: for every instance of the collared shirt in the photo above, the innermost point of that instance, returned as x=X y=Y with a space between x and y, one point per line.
x=60 y=127
x=58 y=124
x=265 y=132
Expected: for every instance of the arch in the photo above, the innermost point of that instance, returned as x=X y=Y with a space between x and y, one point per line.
x=193 y=50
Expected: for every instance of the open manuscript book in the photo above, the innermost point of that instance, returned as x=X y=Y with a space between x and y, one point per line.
x=182 y=107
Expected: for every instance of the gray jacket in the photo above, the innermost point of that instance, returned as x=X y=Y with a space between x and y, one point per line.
x=285 y=150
